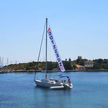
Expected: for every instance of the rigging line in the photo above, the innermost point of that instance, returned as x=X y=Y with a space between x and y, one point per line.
x=41 y=43
x=40 y=50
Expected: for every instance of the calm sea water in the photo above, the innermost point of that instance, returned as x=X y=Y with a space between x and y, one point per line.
x=18 y=90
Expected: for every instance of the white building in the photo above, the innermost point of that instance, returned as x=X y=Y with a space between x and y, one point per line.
x=88 y=63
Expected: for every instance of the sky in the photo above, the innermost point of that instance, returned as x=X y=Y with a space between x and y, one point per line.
x=80 y=28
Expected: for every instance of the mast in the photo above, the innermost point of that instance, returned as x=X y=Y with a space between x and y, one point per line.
x=46 y=48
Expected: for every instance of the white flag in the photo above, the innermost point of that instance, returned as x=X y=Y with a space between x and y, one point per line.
x=56 y=51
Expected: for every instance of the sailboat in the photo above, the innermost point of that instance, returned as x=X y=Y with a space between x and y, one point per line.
x=53 y=83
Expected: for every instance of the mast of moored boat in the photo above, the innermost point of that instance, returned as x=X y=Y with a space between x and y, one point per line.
x=46 y=49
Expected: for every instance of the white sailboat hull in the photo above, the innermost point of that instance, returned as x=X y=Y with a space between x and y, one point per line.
x=52 y=84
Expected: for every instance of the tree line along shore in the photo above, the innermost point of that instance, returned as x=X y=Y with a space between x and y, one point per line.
x=70 y=65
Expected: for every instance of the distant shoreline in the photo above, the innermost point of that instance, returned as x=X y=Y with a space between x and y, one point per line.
x=32 y=71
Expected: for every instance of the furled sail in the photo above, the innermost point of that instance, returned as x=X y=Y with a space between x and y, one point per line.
x=56 y=51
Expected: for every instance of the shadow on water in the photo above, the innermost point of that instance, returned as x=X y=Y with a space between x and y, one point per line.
x=46 y=98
